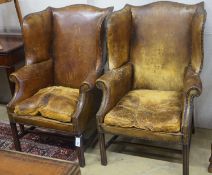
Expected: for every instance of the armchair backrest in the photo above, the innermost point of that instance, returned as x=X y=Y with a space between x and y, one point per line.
x=166 y=37
x=72 y=37
x=78 y=45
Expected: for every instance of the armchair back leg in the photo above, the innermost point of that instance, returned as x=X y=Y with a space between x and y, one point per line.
x=15 y=136
x=102 y=148
x=80 y=150
x=185 y=159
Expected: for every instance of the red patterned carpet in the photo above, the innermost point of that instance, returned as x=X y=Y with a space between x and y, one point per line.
x=34 y=144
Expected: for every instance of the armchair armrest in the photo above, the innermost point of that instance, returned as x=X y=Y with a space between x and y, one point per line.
x=89 y=83
x=192 y=83
x=29 y=79
x=88 y=102
x=192 y=88
x=114 y=85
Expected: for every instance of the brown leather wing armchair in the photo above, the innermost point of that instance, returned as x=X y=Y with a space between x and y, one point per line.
x=64 y=51
x=155 y=55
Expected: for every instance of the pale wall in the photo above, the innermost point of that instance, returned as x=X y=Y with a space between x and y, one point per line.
x=203 y=103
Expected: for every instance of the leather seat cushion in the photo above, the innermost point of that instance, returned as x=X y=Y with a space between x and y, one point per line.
x=152 y=110
x=54 y=102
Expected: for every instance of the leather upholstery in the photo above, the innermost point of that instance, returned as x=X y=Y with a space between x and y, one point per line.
x=192 y=82
x=165 y=50
x=37 y=27
x=53 y=102
x=119 y=47
x=43 y=122
x=41 y=76
x=197 y=54
x=79 y=31
x=148 y=109
x=64 y=47
x=161 y=54
x=144 y=134
x=119 y=78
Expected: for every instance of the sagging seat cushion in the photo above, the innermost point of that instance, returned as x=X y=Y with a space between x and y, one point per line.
x=56 y=102
x=152 y=110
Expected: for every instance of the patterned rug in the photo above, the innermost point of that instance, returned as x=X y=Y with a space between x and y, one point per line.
x=39 y=145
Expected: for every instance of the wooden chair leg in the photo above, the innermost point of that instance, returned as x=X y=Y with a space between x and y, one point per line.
x=102 y=149
x=185 y=159
x=94 y=142
x=15 y=136
x=193 y=124
x=21 y=128
x=210 y=160
x=80 y=150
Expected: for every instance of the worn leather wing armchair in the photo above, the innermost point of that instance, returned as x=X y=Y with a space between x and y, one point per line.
x=155 y=55
x=64 y=49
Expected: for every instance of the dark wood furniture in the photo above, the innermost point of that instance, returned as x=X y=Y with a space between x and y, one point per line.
x=18 y=9
x=210 y=160
x=16 y=163
x=11 y=54
x=155 y=55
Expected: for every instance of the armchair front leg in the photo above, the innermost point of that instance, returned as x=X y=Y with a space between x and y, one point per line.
x=85 y=110
x=210 y=160
x=114 y=85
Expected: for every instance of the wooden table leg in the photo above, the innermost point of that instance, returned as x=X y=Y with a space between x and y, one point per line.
x=11 y=84
x=210 y=166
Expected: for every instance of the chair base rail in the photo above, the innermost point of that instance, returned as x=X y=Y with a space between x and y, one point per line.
x=85 y=140
x=182 y=149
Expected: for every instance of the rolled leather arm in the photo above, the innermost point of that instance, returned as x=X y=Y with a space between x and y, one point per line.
x=187 y=117
x=114 y=85
x=89 y=83
x=192 y=88
x=29 y=79
x=192 y=83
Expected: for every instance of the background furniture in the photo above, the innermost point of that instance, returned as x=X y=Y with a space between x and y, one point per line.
x=11 y=48
x=17 y=163
x=75 y=46
x=155 y=57
x=18 y=10
x=11 y=54
x=210 y=160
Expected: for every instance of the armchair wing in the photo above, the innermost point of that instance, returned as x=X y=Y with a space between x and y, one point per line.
x=37 y=32
x=198 y=24
x=118 y=37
